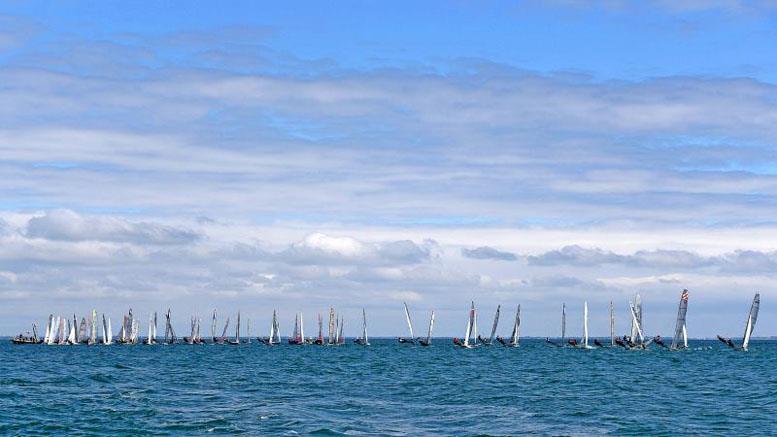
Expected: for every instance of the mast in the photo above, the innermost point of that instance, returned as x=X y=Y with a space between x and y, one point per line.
x=612 y=325
x=751 y=319
x=680 y=338
x=585 y=324
x=496 y=322
x=409 y=324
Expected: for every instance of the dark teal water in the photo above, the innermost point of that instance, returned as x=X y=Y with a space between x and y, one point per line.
x=386 y=389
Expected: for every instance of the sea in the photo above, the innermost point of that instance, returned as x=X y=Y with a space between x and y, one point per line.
x=386 y=389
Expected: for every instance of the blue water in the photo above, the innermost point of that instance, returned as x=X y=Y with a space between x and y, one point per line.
x=386 y=389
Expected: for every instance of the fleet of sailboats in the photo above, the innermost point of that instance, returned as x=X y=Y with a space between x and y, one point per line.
x=70 y=331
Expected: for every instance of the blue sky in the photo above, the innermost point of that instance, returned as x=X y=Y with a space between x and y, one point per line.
x=308 y=154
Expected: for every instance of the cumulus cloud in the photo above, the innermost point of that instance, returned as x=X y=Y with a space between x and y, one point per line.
x=69 y=226
x=485 y=252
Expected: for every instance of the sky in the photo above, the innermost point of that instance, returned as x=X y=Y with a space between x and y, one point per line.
x=299 y=155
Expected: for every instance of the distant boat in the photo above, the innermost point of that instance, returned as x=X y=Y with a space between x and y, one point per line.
x=93 y=329
x=584 y=340
x=749 y=326
x=170 y=337
x=298 y=336
x=363 y=340
x=320 y=339
x=637 y=341
x=151 y=329
x=563 y=328
x=612 y=325
x=275 y=332
x=107 y=331
x=490 y=340
x=236 y=341
x=340 y=338
x=680 y=339
x=29 y=338
x=471 y=334
x=515 y=336
x=411 y=339
x=428 y=340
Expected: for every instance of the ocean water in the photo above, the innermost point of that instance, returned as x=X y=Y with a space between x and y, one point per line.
x=386 y=389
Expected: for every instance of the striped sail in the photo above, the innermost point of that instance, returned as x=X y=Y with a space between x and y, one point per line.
x=751 y=319
x=680 y=332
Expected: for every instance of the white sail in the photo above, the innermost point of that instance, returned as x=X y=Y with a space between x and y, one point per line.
x=47 y=336
x=429 y=333
x=685 y=336
x=635 y=324
x=563 y=322
x=496 y=322
x=469 y=325
x=272 y=328
x=340 y=336
x=515 y=336
x=93 y=335
x=751 y=319
x=409 y=324
x=64 y=331
x=213 y=326
x=364 y=327
x=301 y=328
x=71 y=338
x=474 y=324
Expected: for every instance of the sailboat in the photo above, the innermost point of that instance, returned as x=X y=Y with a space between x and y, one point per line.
x=638 y=341
x=93 y=331
x=563 y=327
x=29 y=338
x=297 y=336
x=107 y=331
x=332 y=337
x=72 y=338
x=236 y=341
x=612 y=325
x=320 y=339
x=584 y=340
x=340 y=340
x=680 y=339
x=213 y=328
x=49 y=329
x=275 y=332
x=151 y=329
x=428 y=340
x=82 y=330
x=169 y=332
x=515 y=336
x=411 y=339
x=749 y=326
x=471 y=334
x=363 y=340
x=493 y=328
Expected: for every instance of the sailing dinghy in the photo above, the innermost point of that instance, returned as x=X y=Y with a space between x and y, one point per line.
x=275 y=332
x=749 y=326
x=411 y=339
x=680 y=339
x=490 y=340
x=563 y=328
x=363 y=340
x=428 y=340
x=515 y=336
x=470 y=340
